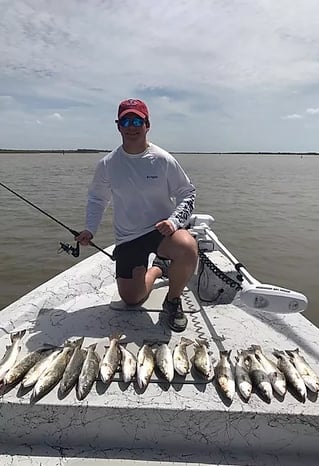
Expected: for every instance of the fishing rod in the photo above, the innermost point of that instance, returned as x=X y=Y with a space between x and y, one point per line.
x=65 y=247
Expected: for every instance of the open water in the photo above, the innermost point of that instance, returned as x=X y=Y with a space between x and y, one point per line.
x=265 y=207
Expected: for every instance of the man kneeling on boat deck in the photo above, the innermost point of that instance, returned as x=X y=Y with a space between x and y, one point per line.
x=152 y=200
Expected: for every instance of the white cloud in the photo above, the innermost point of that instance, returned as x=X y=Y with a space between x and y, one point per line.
x=249 y=43
x=56 y=116
x=208 y=62
x=293 y=116
x=313 y=111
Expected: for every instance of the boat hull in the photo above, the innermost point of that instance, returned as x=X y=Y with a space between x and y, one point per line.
x=186 y=420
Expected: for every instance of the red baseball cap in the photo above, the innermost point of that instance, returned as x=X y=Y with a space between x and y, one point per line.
x=133 y=106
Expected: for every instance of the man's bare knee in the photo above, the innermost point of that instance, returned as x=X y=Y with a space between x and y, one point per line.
x=186 y=250
x=132 y=292
x=130 y=300
x=179 y=246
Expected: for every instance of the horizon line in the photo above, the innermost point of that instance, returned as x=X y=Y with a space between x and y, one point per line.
x=172 y=152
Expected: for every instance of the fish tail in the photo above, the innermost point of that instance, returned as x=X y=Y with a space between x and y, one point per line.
x=73 y=344
x=278 y=353
x=186 y=341
x=17 y=335
x=245 y=354
x=256 y=348
x=67 y=343
x=201 y=341
x=238 y=355
x=92 y=347
x=117 y=336
x=79 y=342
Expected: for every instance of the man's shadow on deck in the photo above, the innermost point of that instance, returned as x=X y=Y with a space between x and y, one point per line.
x=54 y=326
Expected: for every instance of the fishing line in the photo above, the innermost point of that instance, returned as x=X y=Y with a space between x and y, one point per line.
x=74 y=232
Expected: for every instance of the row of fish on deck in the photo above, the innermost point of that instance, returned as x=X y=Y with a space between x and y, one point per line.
x=71 y=365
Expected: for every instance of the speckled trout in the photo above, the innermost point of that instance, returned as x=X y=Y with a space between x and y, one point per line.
x=202 y=360
x=21 y=367
x=39 y=367
x=89 y=372
x=242 y=377
x=291 y=373
x=128 y=364
x=73 y=369
x=145 y=366
x=308 y=375
x=164 y=362
x=51 y=376
x=180 y=357
x=111 y=359
x=224 y=375
x=276 y=377
x=11 y=354
x=259 y=376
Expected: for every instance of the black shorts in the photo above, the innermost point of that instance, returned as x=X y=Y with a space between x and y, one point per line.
x=136 y=252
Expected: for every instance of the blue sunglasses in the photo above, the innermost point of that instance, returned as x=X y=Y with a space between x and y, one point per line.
x=136 y=121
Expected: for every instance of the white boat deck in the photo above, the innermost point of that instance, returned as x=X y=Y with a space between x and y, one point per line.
x=187 y=422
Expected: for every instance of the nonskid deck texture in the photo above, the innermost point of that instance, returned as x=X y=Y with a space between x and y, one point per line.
x=187 y=422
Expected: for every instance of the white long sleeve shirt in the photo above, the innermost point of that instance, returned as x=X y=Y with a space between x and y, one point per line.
x=144 y=188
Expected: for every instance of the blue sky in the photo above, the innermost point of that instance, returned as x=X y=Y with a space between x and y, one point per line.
x=217 y=75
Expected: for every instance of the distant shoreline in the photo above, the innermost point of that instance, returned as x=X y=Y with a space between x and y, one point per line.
x=96 y=151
